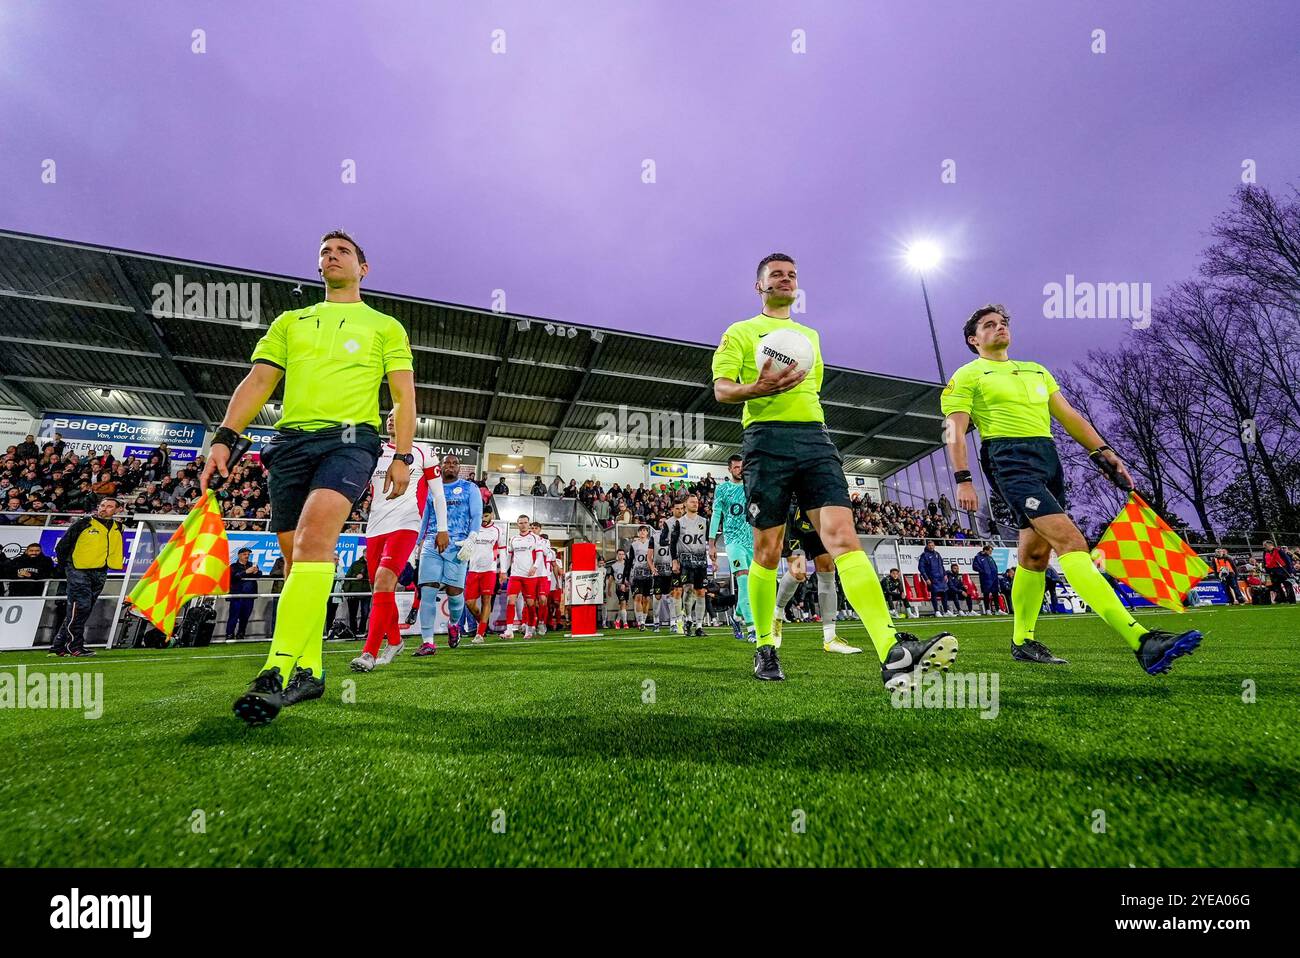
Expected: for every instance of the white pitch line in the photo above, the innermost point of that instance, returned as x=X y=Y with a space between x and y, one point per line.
x=528 y=643
x=511 y=644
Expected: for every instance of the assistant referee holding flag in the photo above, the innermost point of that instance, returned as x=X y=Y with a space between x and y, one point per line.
x=333 y=357
x=1012 y=404
x=787 y=451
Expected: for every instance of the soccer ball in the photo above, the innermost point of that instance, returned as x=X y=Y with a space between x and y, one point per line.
x=787 y=348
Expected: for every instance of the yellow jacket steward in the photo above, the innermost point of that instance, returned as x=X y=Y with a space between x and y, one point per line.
x=91 y=543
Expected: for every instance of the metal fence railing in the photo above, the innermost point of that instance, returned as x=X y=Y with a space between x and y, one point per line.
x=30 y=619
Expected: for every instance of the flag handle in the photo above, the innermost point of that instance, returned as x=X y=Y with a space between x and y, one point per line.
x=241 y=446
x=1110 y=472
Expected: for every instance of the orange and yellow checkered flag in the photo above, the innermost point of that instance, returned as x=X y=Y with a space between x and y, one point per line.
x=195 y=561
x=1141 y=550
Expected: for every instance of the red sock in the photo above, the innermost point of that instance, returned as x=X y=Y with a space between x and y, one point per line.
x=383 y=611
x=395 y=623
x=510 y=610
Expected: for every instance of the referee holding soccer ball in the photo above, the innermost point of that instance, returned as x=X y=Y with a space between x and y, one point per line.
x=788 y=451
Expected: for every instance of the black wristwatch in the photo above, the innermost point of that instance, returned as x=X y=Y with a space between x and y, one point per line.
x=406 y=457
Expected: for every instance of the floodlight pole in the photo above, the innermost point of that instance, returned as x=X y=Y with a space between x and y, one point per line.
x=943 y=377
x=934 y=337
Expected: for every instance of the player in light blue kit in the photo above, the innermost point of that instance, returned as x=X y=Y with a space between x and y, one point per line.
x=729 y=516
x=446 y=570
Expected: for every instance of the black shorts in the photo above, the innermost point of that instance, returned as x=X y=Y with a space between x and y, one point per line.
x=665 y=583
x=1027 y=474
x=694 y=575
x=621 y=591
x=785 y=458
x=809 y=542
x=641 y=585
x=342 y=458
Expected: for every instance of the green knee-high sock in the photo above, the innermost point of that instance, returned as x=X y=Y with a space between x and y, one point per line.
x=300 y=621
x=762 y=600
x=1027 y=587
x=862 y=589
x=1093 y=588
x=742 y=598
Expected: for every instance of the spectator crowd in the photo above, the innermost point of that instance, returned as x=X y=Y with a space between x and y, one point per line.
x=51 y=478
x=41 y=478
x=651 y=504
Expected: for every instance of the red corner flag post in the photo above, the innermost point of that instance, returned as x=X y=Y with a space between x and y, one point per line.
x=586 y=589
x=1140 y=550
x=195 y=561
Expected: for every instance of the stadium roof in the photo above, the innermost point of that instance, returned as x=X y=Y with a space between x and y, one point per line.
x=79 y=319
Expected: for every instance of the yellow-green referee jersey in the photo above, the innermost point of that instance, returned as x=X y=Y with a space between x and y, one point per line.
x=734 y=359
x=1005 y=400
x=335 y=357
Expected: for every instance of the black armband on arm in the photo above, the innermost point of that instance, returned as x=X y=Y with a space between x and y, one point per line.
x=962 y=475
x=225 y=437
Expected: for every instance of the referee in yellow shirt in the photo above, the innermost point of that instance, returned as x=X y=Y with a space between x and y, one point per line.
x=333 y=357
x=788 y=451
x=1012 y=404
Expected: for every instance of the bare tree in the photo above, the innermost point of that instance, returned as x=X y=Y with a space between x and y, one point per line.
x=1122 y=379
x=1206 y=328
x=1093 y=497
x=1191 y=418
x=1258 y=242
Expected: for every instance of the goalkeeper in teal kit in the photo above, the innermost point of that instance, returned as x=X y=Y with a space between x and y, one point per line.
x=730 y=516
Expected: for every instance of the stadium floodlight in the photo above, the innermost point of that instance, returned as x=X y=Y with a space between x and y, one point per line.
x=106 y=393
x=923 y=255
x=550 y=329
x=597 y=336
x=573 y=331
x=523 y=325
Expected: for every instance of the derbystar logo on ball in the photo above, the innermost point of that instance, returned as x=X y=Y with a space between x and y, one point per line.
x=784 y=347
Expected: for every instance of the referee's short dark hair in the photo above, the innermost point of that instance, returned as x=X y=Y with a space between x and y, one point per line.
x=774 y=258
x=973 y=323
x=736 y=458
x=343 y=235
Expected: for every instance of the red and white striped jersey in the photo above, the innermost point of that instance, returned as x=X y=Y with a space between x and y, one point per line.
x=404 y=512
x=526 y=555
x=489 y=544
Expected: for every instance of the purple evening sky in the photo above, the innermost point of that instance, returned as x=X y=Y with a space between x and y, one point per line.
x=523 y=170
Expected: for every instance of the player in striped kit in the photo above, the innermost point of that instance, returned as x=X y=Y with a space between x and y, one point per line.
x=525 y=552
x=443 y=567
x=391 y=532
x=487 y=570
x=692 y=532
x=555 y=573
x=730 y=517
x=543 y=576
x=666 y=570
x=640 y=572
x=554 y=585
x=616 y=574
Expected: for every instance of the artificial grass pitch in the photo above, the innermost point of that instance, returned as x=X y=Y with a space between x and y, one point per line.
x=559 y=752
